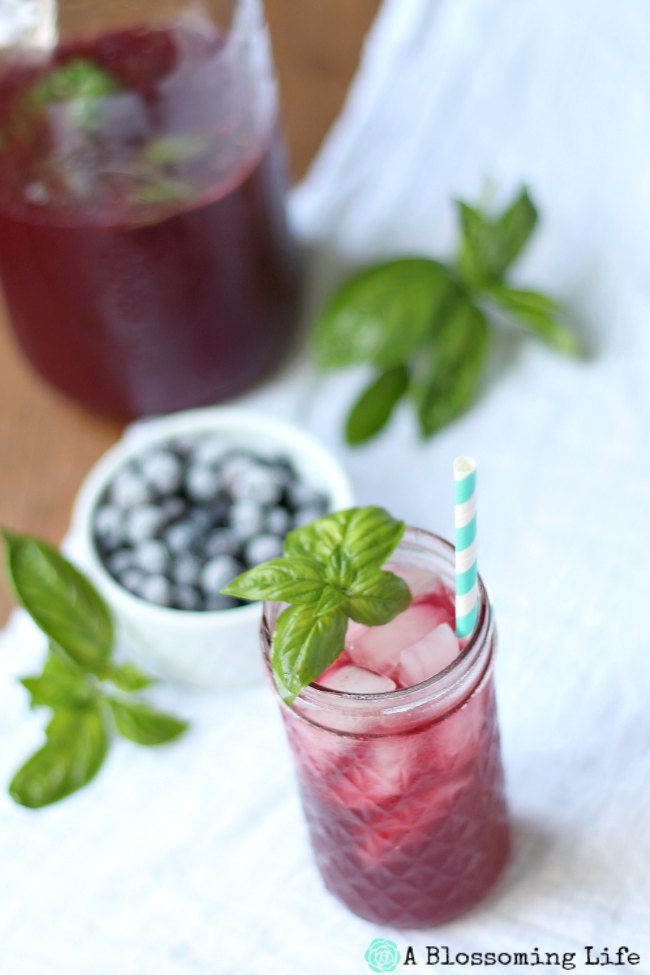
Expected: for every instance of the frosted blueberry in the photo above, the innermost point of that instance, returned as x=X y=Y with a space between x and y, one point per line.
x=151 y=556
x=163 y=470
x=302 y=495
x=233 y=466
x=246 y=518
x=156 y=589
x=304 y=516
x=184 y=446
x=129 y=488
x=109 y=525
x=201 y=483
x=132 y=580
x=257 y=483
x=263 y=549
x=120 y=561
x=180 y=537
x=201 y=519
x=185 y=597
x=218 y=572
x=172 y=508
x=277 y=521
x=143 y=523
x=221 y=542
x=209 y=451
x=186 y=570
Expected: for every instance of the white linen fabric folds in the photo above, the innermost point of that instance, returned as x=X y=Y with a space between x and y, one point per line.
x=195 y=859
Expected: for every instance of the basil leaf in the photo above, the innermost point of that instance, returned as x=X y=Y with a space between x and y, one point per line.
x=538 y=313
x=78 y=78
x=295 y=580
x=304 y=645
x=73 y=754
x=331 y=599
x=128 y=677
x=515 y=227
x=143 y=724
x=367 y=535
x=60 y=685
x=381 y=315
x=489 y=247
x=340 y=571
x=170 y=150
x=81 y=84
x=374 y=407
x=60 y=600
x=448 y=374
x=377 y=598
x=159 y=190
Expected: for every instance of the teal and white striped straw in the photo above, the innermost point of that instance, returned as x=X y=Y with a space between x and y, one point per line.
x=465 y=525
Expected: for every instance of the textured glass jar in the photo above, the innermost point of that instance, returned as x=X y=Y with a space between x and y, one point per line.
x=145 y=255
x=404 y=791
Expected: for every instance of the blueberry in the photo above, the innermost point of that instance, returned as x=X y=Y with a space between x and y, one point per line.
x=217 y=603
x=163 y=470
x=218 y=572
x=201 y=519
x=201 y=483
x=180 y=537
x=277 y=521
x=263 y=549
x=185 y=597
x=129 y=488
x=109 y=525
x=233 y=466
x=257 y=483
x=172 y=508
x=221 y=542
x=304 y=516
x=119 y=562
x=184 y=446
x=301 y=495
x=186 y=570
x=151 y=556
x=156 y=589
x=282 y=463
x=132 y=580
x=246 y=518
x=143 y=523
x=209 y=451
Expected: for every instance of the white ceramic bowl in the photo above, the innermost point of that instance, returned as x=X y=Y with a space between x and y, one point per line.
x=211 y=648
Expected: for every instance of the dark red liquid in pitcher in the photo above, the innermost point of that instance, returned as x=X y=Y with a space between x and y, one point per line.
x=144 y=249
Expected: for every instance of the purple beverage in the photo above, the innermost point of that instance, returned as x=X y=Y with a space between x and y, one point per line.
x=398 y=757
x=144 y=248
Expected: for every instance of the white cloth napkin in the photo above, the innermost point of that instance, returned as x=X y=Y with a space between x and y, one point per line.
x=194 y=859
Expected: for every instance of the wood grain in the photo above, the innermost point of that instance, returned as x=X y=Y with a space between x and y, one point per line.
x=47 y=443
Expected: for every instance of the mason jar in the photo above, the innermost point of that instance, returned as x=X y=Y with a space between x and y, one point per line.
x=145 y=255
x=403 y=791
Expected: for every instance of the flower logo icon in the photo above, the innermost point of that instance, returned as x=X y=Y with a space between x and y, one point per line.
x=382 y=955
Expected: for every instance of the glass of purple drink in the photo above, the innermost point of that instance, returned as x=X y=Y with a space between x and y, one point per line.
x=144 y=250
x=398 y=756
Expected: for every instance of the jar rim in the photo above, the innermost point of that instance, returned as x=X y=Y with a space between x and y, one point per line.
x=396 y=700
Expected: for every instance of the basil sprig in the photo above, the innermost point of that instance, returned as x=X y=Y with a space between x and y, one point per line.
x=79 y=84
x=331 y=573
x=424 y=327
x=90 y=695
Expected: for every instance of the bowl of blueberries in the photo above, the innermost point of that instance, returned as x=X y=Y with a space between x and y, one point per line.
x=180 y=507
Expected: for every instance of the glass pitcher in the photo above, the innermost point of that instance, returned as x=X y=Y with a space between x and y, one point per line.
x=145 y=255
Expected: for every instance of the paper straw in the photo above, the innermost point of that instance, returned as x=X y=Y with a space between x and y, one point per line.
x=465 y=525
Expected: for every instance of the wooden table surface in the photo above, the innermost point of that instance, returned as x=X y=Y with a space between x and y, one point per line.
x=47 y=443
